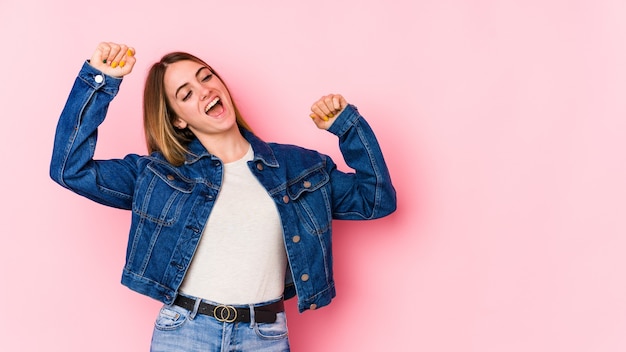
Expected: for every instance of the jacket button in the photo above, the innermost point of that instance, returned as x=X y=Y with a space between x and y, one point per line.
x=304 y=277
x=296 y=239
x=306 y=184
x=286 y=199
x=313 y=306
x=98 y=78
x=170 y=177
x=259 y=166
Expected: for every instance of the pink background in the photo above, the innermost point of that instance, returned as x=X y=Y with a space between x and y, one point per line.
x=502 y=123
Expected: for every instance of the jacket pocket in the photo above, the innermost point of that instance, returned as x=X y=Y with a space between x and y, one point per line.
x=310 y=193
x=160 y=194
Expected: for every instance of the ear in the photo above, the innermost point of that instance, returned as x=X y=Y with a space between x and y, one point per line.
x=180 y=124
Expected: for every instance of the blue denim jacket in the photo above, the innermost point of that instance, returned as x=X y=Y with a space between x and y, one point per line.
x=170 y=205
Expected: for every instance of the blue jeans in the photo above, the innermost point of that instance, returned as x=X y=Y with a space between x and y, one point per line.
x=180 y=330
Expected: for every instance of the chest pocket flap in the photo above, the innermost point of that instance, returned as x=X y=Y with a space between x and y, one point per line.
x=308 y=182
x=171 y=177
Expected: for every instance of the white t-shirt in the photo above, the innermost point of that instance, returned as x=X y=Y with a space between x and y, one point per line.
x=241 y=256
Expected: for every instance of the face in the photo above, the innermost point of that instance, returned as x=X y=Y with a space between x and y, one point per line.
x=199 y=99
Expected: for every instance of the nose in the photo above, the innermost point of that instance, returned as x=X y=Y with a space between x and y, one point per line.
x=204 y=93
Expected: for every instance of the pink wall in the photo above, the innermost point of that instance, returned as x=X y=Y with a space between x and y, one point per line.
x=502 y=122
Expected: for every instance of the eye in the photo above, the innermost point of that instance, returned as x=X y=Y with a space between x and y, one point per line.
x=187 y=96
x=208 y=77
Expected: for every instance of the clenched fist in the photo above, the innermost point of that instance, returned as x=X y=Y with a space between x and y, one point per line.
x=326 y=109
x=116 y=60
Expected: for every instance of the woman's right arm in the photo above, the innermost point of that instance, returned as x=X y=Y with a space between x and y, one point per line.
x=109 y=182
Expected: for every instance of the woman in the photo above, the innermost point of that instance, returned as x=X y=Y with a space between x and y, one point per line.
x=224 y=226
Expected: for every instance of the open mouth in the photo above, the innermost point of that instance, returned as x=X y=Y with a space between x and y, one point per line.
x=214 y=108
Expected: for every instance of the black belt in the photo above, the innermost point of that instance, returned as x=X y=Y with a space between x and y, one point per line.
x=230 y=314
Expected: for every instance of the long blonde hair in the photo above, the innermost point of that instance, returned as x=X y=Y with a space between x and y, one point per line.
x=158 y=116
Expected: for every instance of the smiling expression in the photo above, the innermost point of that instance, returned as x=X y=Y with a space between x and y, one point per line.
x=199 y=98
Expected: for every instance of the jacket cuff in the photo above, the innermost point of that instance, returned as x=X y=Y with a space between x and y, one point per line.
x=345 y=120
x=98 y=80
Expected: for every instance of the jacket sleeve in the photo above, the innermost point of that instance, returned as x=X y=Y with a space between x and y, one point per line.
x=368 y=192
x=109 y=182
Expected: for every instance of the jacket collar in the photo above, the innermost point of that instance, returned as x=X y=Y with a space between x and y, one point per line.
x=262 y=151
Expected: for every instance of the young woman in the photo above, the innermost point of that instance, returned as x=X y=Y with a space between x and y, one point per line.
x=224 y=225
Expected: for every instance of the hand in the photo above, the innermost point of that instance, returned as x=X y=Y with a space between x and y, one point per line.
x=116 y=60
x=326 y=109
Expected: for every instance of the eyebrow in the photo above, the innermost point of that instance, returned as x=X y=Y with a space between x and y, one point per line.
x=185 y=84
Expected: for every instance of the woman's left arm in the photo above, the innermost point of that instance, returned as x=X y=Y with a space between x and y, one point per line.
x=368 y=192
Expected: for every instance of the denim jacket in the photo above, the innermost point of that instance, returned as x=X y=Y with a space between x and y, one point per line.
x=170 y=204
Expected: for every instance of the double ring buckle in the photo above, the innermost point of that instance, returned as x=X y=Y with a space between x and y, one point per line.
x=225 y=314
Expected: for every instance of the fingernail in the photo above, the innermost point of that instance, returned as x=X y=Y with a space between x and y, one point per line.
x=325 y=118
x=331 y=115
x=104 y=61
x=122 y=63
x=312 y=116
x=129 y=53
x=114 y=64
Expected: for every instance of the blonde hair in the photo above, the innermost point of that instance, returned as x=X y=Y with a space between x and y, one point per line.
x=158 y=117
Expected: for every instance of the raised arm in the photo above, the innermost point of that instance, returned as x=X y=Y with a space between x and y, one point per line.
x=109 y=182
x=368 y=192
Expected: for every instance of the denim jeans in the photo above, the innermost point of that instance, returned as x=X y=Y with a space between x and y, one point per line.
x=180 y=330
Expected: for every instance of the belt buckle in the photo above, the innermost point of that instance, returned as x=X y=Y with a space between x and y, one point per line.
x=225 y=313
